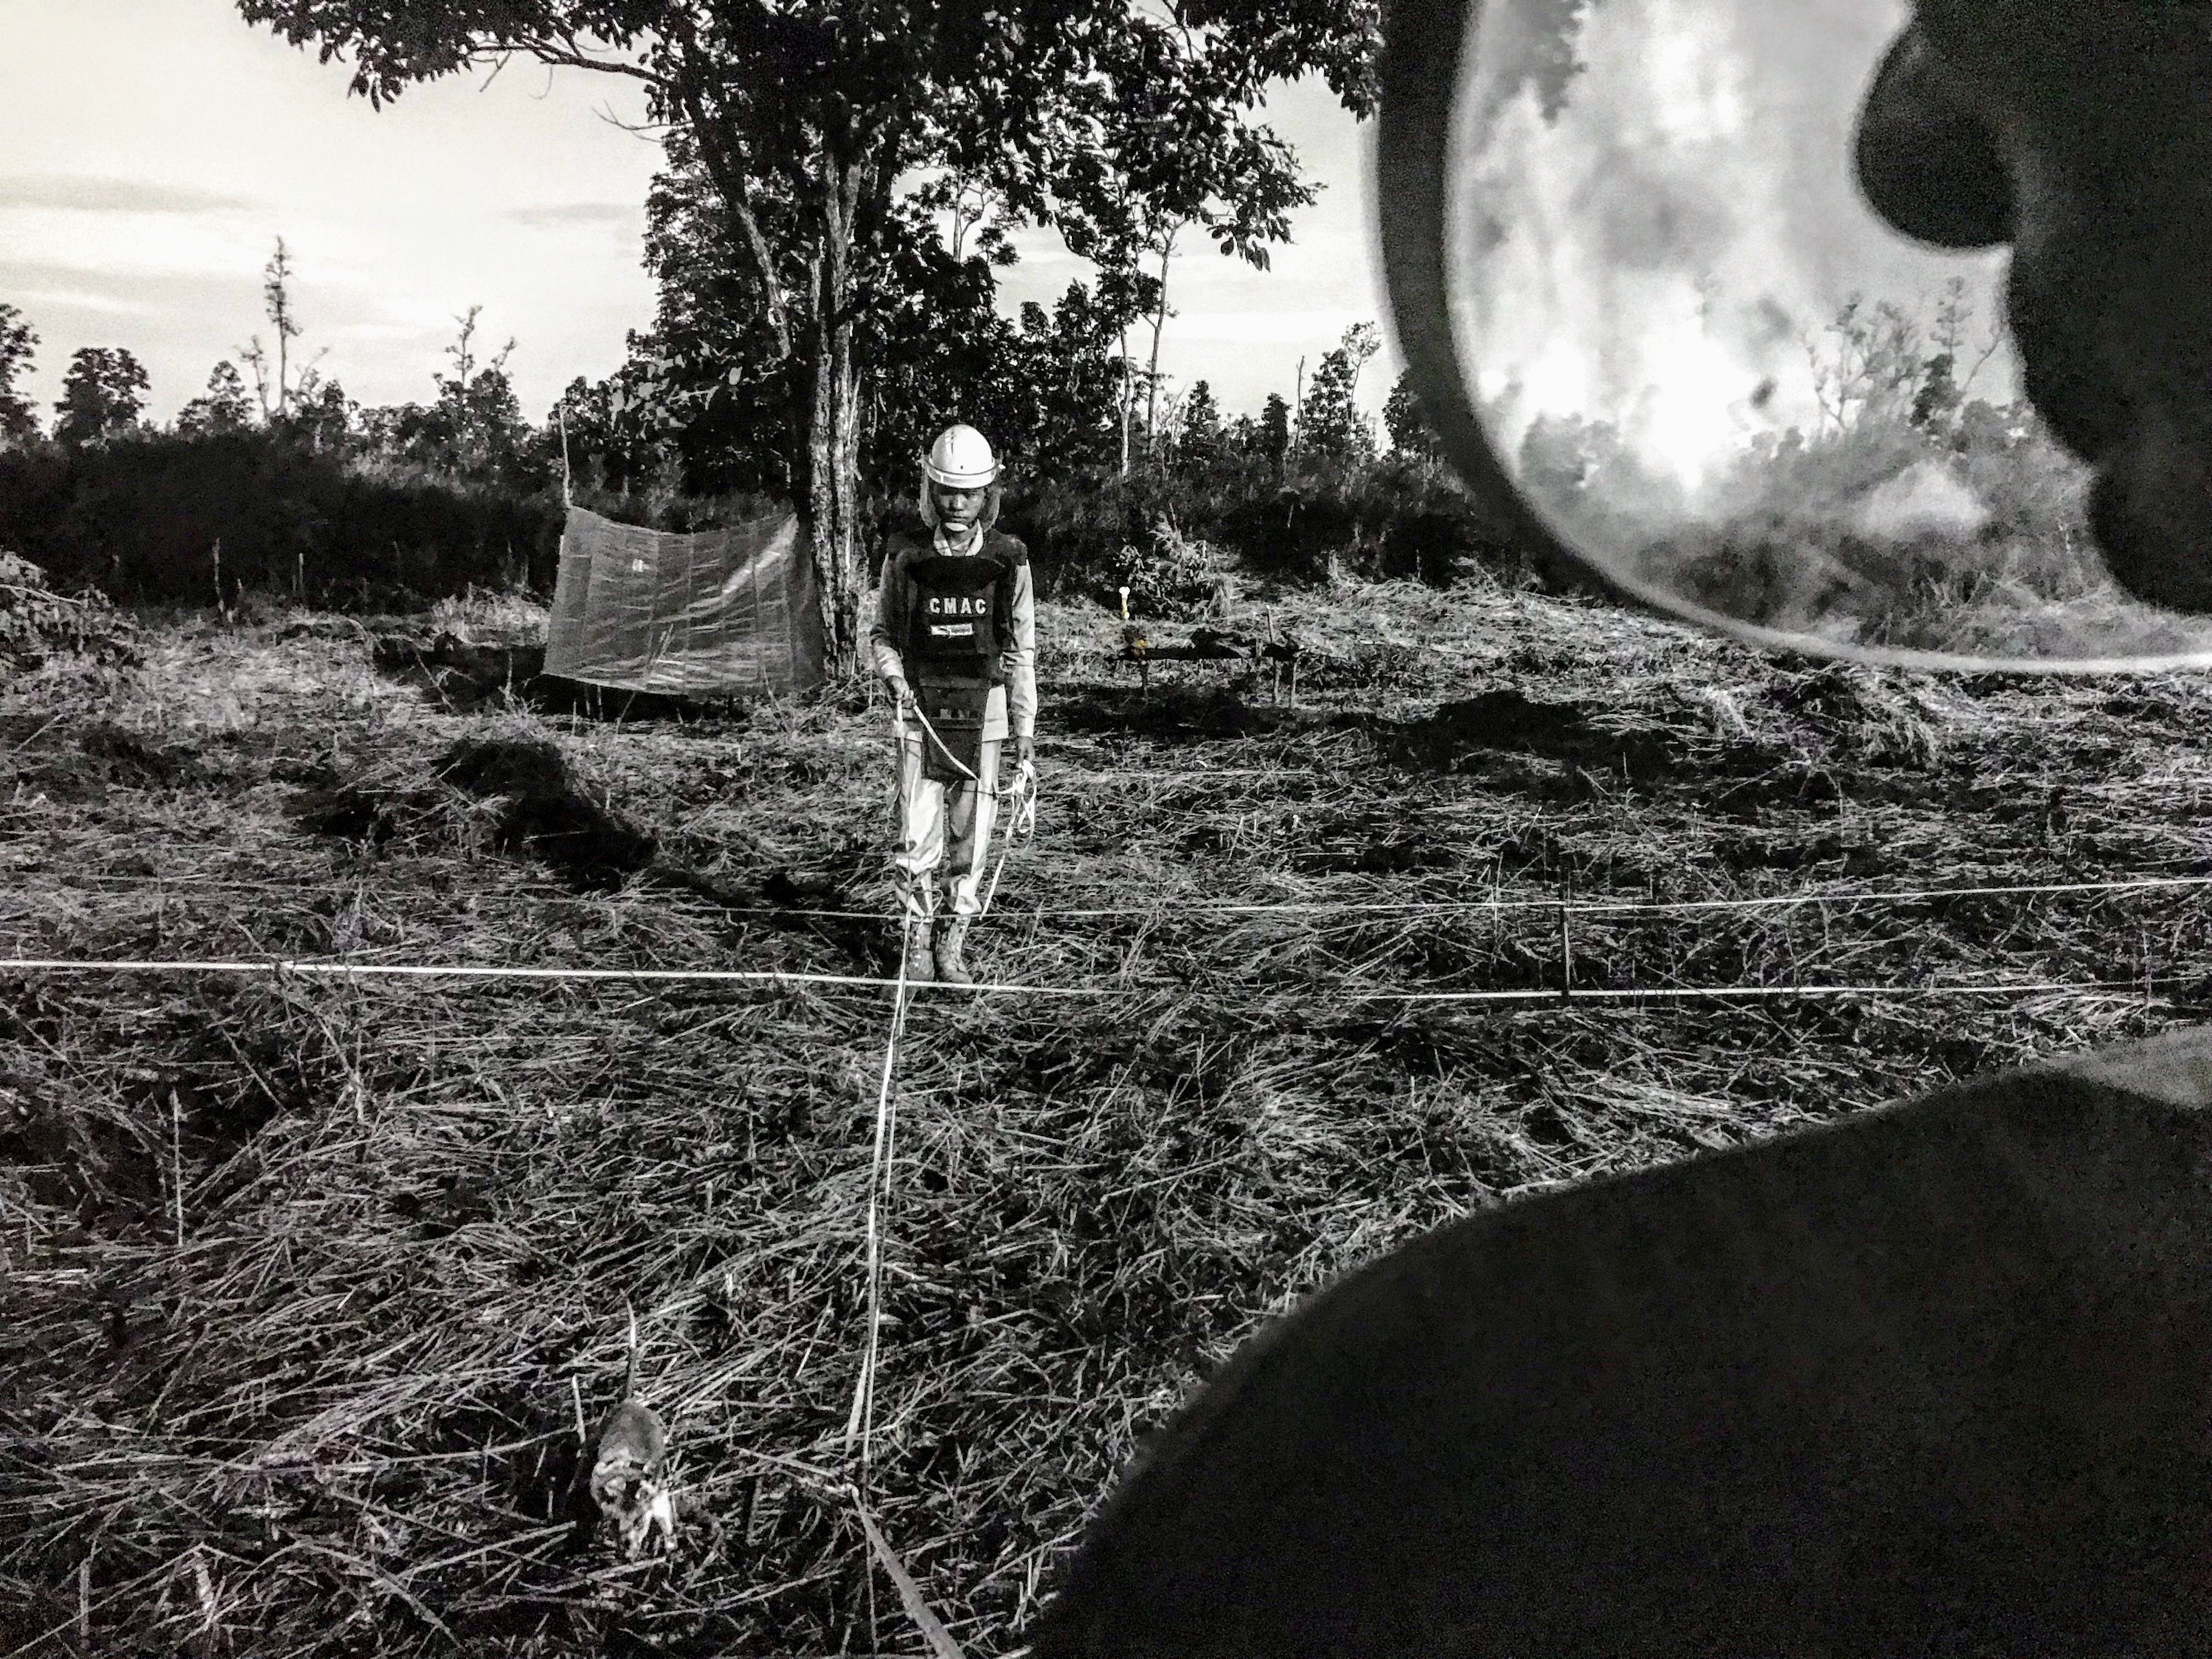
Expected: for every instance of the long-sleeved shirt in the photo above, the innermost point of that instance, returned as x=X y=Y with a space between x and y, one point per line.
x=1012 y=709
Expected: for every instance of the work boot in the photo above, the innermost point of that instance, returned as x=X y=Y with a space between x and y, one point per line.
x=916 y=968
x=951 y=970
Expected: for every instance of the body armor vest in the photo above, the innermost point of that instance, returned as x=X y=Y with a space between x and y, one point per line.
x=961 y=617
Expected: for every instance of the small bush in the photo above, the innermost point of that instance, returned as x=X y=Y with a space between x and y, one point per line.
x=1429 y=548
x=38 y=624
x=1399 y=516
x=1796 y=541
x=1296 y=533
x=1076 y=526
x=1168 y=575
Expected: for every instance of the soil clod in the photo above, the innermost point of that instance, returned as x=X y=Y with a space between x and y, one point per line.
x=1507 y=720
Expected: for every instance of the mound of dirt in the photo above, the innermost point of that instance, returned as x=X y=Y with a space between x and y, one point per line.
x=83 y=764
x=351 y=811
x=1868 y=714
x=127 y=760
x=529 y=766
x=592 y=847
x=456 y=673
x=460 y=675
x=1378 y=858
x=1506 y=721
x=1185 y=713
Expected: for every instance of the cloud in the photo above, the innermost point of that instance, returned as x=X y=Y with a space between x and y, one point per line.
x=169 y=295
x=84 y=193
x=1267 y=327
x=32 y=283
x=622 y=214
x=337 y=302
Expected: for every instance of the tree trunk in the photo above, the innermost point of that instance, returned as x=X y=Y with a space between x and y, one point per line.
x=833 y=516
x=1152 y=376
x=834 y=433
x=1128 y=395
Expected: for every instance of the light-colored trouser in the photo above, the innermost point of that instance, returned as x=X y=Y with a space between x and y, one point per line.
x=943 y=823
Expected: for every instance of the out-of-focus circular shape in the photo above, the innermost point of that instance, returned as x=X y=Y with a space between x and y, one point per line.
x=1658 y=330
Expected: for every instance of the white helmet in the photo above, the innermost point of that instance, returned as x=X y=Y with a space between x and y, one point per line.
x=961 y=459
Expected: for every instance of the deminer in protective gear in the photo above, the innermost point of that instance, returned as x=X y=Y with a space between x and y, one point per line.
x=955 y=640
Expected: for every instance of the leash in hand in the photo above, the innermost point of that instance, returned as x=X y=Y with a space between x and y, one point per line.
x=1021 y=824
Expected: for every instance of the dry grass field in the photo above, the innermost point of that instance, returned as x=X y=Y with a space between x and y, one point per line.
x=306 y=1283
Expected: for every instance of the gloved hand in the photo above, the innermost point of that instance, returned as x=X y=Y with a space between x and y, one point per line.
x=901 y=698
x=1025 y=751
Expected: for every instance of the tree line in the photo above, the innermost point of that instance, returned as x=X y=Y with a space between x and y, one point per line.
x=472 y=430
x=1103 y=451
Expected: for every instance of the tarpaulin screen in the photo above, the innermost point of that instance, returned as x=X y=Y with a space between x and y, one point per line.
x=710 y=613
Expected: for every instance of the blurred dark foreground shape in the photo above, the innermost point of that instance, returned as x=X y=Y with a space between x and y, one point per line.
x=2077 y=134
x=1934 y=1380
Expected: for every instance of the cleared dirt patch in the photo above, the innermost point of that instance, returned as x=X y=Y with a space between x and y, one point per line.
x=1508 y=720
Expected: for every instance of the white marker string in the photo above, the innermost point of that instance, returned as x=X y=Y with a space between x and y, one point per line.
x=861 y=1420
x=1336 y=993
x=1641 y=907
x=2131 y=988
x=1856 y=897
x=324 y=970
x=1021 y=823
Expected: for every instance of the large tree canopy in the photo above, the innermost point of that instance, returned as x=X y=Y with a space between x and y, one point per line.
x=19 y=421
x=1117 y=123
x=708 y=383
x=102 y=396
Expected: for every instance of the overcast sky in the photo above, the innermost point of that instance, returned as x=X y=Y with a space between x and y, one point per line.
x=151 y=152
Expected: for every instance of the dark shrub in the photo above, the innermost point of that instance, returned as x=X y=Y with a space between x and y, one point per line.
x=142 y=519
x=1427 y=547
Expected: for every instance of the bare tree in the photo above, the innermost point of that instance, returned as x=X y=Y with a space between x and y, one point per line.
x=975 y=209
x=1870 y=364
x=464 y=354
x=278 y=395
x=1159 y=321
x=1953 y=313
x=1360 y=343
